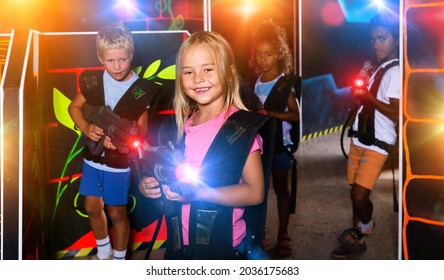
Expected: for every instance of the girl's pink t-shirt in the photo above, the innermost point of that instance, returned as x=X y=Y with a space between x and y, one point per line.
x=198 y=140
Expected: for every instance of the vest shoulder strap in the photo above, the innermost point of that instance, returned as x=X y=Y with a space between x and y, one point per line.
x=91 y=86
x=378 y=77
x=130 y=106
x=136 y=99
x=232 y=145
x=277 y=99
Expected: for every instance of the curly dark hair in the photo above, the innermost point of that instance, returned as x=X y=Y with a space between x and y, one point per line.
x=269 y=31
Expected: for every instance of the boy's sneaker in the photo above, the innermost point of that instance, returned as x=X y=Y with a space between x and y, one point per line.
x=349 y=236
x=346 y=250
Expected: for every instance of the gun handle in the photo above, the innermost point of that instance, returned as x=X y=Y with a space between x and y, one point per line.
x=96 y=148
x=166 y=206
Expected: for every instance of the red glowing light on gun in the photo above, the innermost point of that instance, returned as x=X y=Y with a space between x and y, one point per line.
x=134 y=143
x=359 y=83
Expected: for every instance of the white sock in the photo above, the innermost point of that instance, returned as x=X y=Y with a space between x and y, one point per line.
x=104 y=249
x=366 y=227
x=119 y=255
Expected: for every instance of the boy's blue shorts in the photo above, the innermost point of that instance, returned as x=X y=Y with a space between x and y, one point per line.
x=113 y=187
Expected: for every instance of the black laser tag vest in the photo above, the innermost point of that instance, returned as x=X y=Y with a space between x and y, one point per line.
x=130 y=106
x=277 y=101
x=366 y=118
x=211 y=225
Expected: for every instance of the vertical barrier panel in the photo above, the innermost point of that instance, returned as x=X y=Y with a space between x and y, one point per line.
x=62 y=57
x=11 y=181
x=33 y=190
x=5 y=40
x=423 y=131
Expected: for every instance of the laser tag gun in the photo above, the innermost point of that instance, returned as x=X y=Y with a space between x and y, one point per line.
x=165 y=163
x=123 y=132
x=361 y=82
x=358 y=89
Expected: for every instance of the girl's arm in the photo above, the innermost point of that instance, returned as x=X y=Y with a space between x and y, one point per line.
x=249 y=192
x=292 y=115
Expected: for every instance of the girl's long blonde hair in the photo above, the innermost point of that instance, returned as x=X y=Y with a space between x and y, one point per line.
x=226 y=69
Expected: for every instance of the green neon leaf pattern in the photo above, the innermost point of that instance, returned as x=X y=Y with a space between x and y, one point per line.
x=61 y=103
x=151 y=69
x=168 y=73
x=137 y=70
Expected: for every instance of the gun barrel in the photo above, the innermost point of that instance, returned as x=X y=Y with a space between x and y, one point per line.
x=121 y=131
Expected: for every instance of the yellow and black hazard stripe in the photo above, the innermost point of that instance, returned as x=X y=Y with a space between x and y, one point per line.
x=72 y=254
x=85 y=252
x=320 y=133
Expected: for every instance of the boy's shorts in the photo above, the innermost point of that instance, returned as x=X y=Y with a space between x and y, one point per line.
x=281 y=160
x=113 y=187
x=364 y=166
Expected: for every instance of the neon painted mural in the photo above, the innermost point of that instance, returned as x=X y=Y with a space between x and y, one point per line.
x=161 y=16
x=68 y=233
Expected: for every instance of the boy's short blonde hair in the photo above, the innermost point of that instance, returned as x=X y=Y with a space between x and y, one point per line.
x=115 y=36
